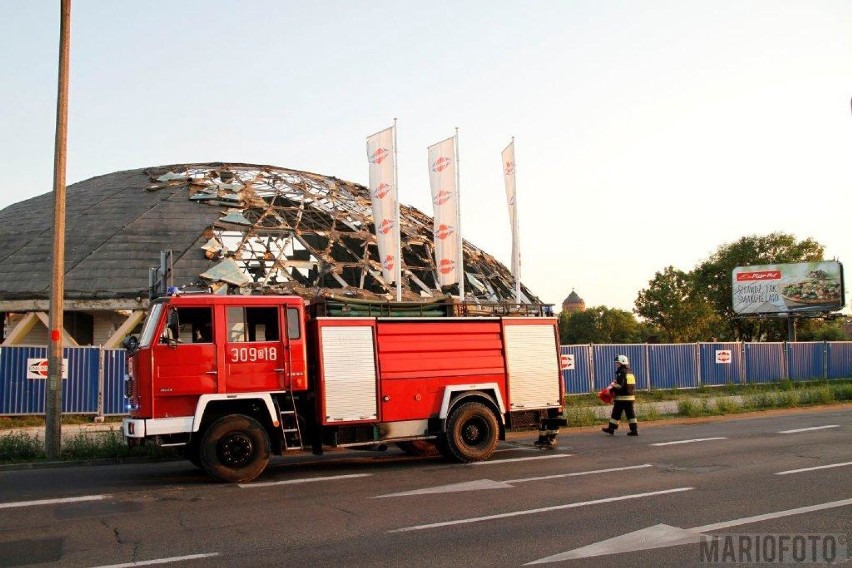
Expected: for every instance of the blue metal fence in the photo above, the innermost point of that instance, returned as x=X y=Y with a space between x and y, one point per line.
x=839 y=360
x=806 y=360
x=96 y=376
x=23 y=380
x=578 y=374
x=673 y=366
x=764 y=362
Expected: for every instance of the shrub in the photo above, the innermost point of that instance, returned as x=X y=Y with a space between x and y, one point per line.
x=100 y=445
x=842 y=392
x=20 y=446
x=648 y=412
x=728 y=406
x=580 y=416
x=786 y=399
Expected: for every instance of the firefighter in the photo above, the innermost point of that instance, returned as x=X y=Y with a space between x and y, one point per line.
x=624 y=389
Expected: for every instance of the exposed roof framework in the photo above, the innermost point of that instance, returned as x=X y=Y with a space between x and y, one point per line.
x=298 y=231
x=235 y=227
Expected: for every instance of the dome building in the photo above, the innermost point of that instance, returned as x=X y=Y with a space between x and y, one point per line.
x=573 y=303
x=231 y=228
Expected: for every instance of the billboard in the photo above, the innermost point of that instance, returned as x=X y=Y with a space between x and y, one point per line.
x=788 y=288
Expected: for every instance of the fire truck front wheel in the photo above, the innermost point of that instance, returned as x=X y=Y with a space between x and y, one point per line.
x=235 y=449
x=472 y=432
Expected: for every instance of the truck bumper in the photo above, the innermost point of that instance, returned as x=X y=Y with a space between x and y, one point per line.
x=133 y=427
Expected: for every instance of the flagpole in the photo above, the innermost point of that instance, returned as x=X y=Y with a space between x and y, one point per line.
x=516 y=230
x=398 y=227
x=458 y=220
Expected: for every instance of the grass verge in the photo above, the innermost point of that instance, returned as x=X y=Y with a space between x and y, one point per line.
x=23 y=447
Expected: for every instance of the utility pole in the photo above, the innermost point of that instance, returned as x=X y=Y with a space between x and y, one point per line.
x=53 y=393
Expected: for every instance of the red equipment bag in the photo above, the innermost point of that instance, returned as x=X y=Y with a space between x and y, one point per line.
x=606 y=396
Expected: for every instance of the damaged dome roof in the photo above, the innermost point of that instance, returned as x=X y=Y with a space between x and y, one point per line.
x=228 y=225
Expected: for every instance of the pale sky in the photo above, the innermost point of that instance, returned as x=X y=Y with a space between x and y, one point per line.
x=648 y=132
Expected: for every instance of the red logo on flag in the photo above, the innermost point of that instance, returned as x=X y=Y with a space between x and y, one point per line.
x=441 y=164
x=386 y=226
x=382 y=190
x=443 y=231
x=379 y=155
x=446 y=266
x=510 y=168
x=759 y=275
x=442 y=197
x=388 y=263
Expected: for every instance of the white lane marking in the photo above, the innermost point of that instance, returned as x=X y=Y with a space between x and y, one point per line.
x=493 y=462
x=829 y=466
x=663 y=536
x=162 y=560
x=797 y=430
x=688 y=441
x=541 y=510
x=54 y=501
x=303 y=480
x=484 y=484
x=575 y=474
x=478 y=485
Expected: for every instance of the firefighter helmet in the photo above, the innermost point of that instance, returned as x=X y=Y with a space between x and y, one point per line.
x=622 y=359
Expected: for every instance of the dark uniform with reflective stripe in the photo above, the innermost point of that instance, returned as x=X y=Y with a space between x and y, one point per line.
x=624 y=389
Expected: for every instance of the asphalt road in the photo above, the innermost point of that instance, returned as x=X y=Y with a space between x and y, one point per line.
x=787 y=473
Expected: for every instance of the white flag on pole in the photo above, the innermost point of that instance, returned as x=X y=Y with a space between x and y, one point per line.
x=508 y=156
x=442 y=180
x=383 y=195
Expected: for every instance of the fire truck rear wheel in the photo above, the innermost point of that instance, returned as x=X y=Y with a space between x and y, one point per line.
x=472 y=432
x=235 y=449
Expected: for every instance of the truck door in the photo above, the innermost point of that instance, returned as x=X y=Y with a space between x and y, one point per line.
x=185 y=361
x=256 y=350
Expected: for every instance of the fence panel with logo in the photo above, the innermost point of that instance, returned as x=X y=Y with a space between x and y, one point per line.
x=24 y=380
x=576 y=368
x=721 y=363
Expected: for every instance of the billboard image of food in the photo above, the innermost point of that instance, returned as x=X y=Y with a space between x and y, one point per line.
x=788 y=288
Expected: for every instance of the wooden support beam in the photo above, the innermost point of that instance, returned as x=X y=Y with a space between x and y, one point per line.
x=116 y=338
x=66 y=337
x=20 y=331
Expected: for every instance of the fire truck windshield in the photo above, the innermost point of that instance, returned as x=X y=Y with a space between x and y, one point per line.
x=150 y=324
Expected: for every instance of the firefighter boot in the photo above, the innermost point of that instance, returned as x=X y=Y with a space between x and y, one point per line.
x=546 y=440
x=611 y=428
x=634 y=429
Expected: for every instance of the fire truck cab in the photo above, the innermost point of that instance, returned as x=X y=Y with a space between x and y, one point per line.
x=233 y=379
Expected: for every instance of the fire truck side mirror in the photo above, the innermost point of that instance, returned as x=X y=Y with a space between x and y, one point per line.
x=130 y=343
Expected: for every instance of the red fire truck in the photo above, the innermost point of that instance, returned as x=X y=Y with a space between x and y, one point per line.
x=233 y=379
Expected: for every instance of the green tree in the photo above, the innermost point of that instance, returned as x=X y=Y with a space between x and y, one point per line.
x=821 y=330
x=672 y=305
x=712 y=279
x=600 y=324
